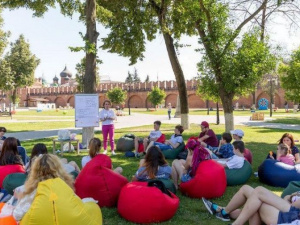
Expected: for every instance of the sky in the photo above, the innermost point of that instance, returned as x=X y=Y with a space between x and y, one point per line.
x=51 y=36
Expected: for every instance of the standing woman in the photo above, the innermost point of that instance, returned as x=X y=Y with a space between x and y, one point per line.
x=107 y=117
x=169 y=110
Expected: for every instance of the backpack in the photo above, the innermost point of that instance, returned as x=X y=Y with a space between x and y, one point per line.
x=160 y=185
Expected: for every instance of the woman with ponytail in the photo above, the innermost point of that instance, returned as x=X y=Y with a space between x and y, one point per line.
x=185 y=170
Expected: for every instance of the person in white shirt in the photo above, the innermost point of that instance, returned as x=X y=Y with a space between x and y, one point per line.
x=154 y=135
x=175 y=140
x=237 y=160
x=107 y=117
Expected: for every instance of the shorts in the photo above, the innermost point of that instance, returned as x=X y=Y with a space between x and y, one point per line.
x=186 y=178
x=162 y=147
x=290 y=216
x=141 y=141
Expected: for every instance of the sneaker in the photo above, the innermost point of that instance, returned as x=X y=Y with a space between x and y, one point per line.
x=137 y=155
x=209 y=206
x=113 y=153
x=105 y=152
x=223 y=217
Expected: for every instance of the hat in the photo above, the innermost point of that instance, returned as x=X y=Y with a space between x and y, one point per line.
x=205 y=124
x=237 y=132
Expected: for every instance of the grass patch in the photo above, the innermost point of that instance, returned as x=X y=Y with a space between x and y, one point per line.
x=191 y=211
x=286 y=120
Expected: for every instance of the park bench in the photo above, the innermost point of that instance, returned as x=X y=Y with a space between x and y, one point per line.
x=5 y=113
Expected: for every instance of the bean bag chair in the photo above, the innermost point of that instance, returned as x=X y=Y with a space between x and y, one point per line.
x=248 y=155
x=173 y=153
x=141 y=204
x=209 y=181
x=161 y=139
x=100 y=182
x=238 y=176
x=56 y=203
x=169 y=184
x=126 y=143
x=293 y=187
x=14 y=180
x=8 y=169
x=278 y=174
x=8 y=220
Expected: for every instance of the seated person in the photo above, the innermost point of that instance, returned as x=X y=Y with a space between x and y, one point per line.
x=284 y=155
x=207 y=135
x=260 y=206
x=185 y=170
x=225 y=150
x=174 y=142
x=9 y=154
x=94 y=149
x=46 y=166
x=41 y=148
x=237 y=160
x=154 y=166
x=237 y=134
x=2 y=132
x=154 y=135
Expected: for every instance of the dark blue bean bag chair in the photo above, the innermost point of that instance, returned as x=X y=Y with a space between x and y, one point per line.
x=278 y=174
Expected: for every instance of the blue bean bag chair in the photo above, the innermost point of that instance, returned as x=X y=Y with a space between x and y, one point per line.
x=278 y=174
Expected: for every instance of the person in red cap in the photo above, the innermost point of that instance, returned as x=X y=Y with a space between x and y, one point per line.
x=207 y=135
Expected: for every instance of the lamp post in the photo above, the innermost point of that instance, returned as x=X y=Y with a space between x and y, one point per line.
x=272 y=81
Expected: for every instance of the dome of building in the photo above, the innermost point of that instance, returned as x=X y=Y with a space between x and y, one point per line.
x=66 y=73
x=55 y=78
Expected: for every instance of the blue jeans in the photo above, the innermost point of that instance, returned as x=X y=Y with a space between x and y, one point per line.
x=162 y=147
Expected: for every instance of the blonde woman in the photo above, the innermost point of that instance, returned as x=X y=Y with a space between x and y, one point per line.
x=44 y=167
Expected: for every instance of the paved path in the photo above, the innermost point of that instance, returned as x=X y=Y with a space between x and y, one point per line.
x=138 y=119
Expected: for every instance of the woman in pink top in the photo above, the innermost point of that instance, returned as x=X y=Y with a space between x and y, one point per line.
x=284 y=155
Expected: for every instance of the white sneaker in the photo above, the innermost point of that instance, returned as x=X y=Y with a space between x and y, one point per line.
x=105 y=152
x=113 y=153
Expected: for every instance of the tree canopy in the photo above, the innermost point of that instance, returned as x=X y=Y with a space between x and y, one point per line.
x=117 y=95
x=156 y=96
x=290 y=77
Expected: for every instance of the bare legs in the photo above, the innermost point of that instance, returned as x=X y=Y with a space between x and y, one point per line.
x=177 y=170
x=150 y=145
x=260 y=204
x=136 y=144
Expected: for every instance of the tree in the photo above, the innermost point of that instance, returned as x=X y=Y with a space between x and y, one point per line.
x=117 y=95
x=156 y=96
x=290 y=77
x=90 y=12
x=22 y=64
x=133 y=22
x=129 y=78
x=147 y=79
x=136 y=78
x=80 y=74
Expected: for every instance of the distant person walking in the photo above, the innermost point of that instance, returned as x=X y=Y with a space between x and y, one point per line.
x=107 y=117
x=286 y=106
x=169 y=110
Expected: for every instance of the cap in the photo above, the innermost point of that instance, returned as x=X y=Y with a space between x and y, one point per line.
x=237 y=132
x=205 y=124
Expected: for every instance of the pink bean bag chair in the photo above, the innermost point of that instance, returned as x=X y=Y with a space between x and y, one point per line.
x=248 y=155
x=209 y=181
x=98 y=181
x=141 y=204
x=8 y=169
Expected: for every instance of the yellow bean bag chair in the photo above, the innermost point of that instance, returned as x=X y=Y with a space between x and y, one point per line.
x=55 y=203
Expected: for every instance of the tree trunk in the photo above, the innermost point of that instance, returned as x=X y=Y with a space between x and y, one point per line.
x=13 y=99
x=218 y=113
x=227 y=101
x=89 y=80
x=181 y=85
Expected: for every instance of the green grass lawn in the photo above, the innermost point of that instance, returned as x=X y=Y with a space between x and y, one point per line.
x=286 y=120
x=38 y=125
x=191 y=211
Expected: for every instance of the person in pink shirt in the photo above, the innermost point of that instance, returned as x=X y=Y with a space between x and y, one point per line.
x=284 y=155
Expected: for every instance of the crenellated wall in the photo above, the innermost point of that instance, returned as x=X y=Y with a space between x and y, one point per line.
x=137 y=95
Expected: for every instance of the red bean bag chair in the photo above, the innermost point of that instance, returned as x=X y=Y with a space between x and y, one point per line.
x=98 y=181
x=209 y=181
x=8 y=169
x=161 y=139
x=139 y=203
x=248 y=155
